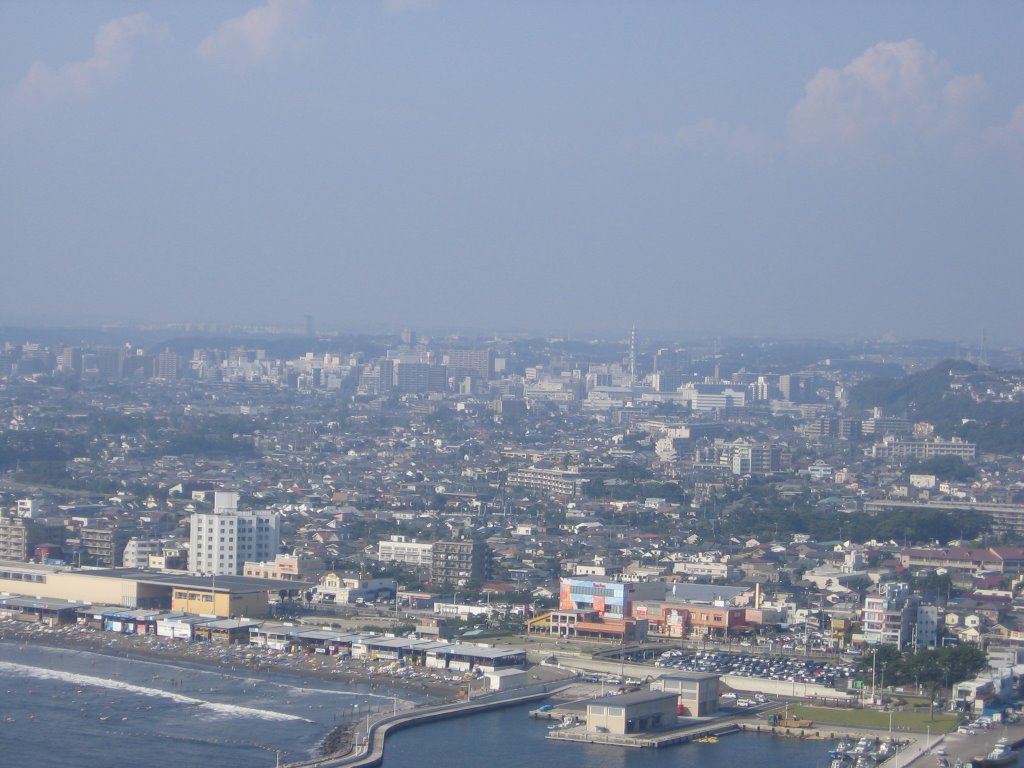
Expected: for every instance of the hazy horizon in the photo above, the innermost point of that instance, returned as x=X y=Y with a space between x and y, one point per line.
x=795 y=170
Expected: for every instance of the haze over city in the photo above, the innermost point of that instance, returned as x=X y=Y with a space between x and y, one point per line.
x=797 y=169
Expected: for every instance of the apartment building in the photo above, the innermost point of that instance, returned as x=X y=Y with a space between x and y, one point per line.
x=222 y=541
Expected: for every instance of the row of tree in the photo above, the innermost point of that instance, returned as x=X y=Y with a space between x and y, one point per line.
x=933 y=669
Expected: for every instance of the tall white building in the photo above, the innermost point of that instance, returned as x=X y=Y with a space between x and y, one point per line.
x=223 y=540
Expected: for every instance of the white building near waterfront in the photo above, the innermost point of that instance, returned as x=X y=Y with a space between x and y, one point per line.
x=222 y=541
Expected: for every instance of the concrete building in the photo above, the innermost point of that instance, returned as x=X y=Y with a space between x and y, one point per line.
x=459 y=562
x=128 y=588
x=138 y=551
x=698 y=692
x=588 y=625
x=610 y=599
x=475 y=362
x=222 y=541
x=401 y=549
x=286 y=568
x=889 y=616
x=19 y=536
x=627 y=713
x=103 y=546
x=340 y=589
x=560 y=482
x=903 y=450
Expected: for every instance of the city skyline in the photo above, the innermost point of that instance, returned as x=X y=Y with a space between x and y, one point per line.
x=792 y=171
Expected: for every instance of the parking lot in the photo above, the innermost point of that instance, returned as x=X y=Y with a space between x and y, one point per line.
x=785 y=668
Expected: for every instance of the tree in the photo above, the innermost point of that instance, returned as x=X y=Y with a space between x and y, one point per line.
x=935 y=667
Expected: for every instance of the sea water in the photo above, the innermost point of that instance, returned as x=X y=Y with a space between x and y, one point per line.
x=81 y=709
x=61 y=707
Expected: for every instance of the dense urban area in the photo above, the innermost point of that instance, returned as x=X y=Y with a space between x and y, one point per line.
x=796 y=512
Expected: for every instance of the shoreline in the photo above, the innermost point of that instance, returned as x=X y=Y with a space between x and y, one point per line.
x=338 y=740
x=204 y=655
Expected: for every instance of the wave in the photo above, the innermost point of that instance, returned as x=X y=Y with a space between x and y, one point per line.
x=227 y=710
x=197 y=668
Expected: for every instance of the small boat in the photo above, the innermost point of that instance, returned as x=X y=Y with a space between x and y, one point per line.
x=840 y=749
x=1002 y=754
x=710 y=739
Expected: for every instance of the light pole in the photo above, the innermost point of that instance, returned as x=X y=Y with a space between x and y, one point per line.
x=874 y=656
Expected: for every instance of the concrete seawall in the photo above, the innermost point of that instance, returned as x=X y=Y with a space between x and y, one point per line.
x=372 y=753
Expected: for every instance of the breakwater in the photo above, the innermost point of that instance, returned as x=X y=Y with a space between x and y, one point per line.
x=371 y=752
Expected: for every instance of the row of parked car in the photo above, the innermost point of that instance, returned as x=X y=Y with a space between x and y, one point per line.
x=785 y=668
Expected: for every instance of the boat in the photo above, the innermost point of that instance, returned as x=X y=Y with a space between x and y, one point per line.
x=1002 y=754
x=863 y=747
x=885 y=750
x=840 y=749
x=710 y=739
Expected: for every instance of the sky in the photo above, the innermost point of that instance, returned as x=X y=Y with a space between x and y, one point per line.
x=791 y=169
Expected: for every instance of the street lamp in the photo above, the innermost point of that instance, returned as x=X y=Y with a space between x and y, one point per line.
x=874 y=652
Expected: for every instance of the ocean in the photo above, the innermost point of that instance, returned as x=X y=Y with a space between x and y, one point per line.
x=61 y=707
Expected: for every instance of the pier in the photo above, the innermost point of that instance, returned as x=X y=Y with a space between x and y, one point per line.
x=371 y=752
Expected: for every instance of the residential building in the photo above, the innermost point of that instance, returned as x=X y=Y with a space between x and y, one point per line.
x=103 y=546
x=19 y=536
x=890 y=615
x=459 y=562
x=137 y=552
x=401 y=549
x=222 y=541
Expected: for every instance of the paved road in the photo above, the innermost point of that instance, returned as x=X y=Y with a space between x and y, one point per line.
x=925 y=750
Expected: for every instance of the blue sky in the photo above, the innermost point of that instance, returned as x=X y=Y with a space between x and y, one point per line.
x=794 y=168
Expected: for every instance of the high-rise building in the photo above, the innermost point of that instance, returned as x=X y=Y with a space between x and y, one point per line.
x=471 y=362
x=167 y=365
x=222 y=541
x=459 y=562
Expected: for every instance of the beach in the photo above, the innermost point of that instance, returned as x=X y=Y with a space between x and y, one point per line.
x=326 y=699
x=427 y=686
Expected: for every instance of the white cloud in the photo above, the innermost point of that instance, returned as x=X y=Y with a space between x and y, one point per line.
x=255 y=35
x=734 y=141
x=891 y=91
x=112 y=53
